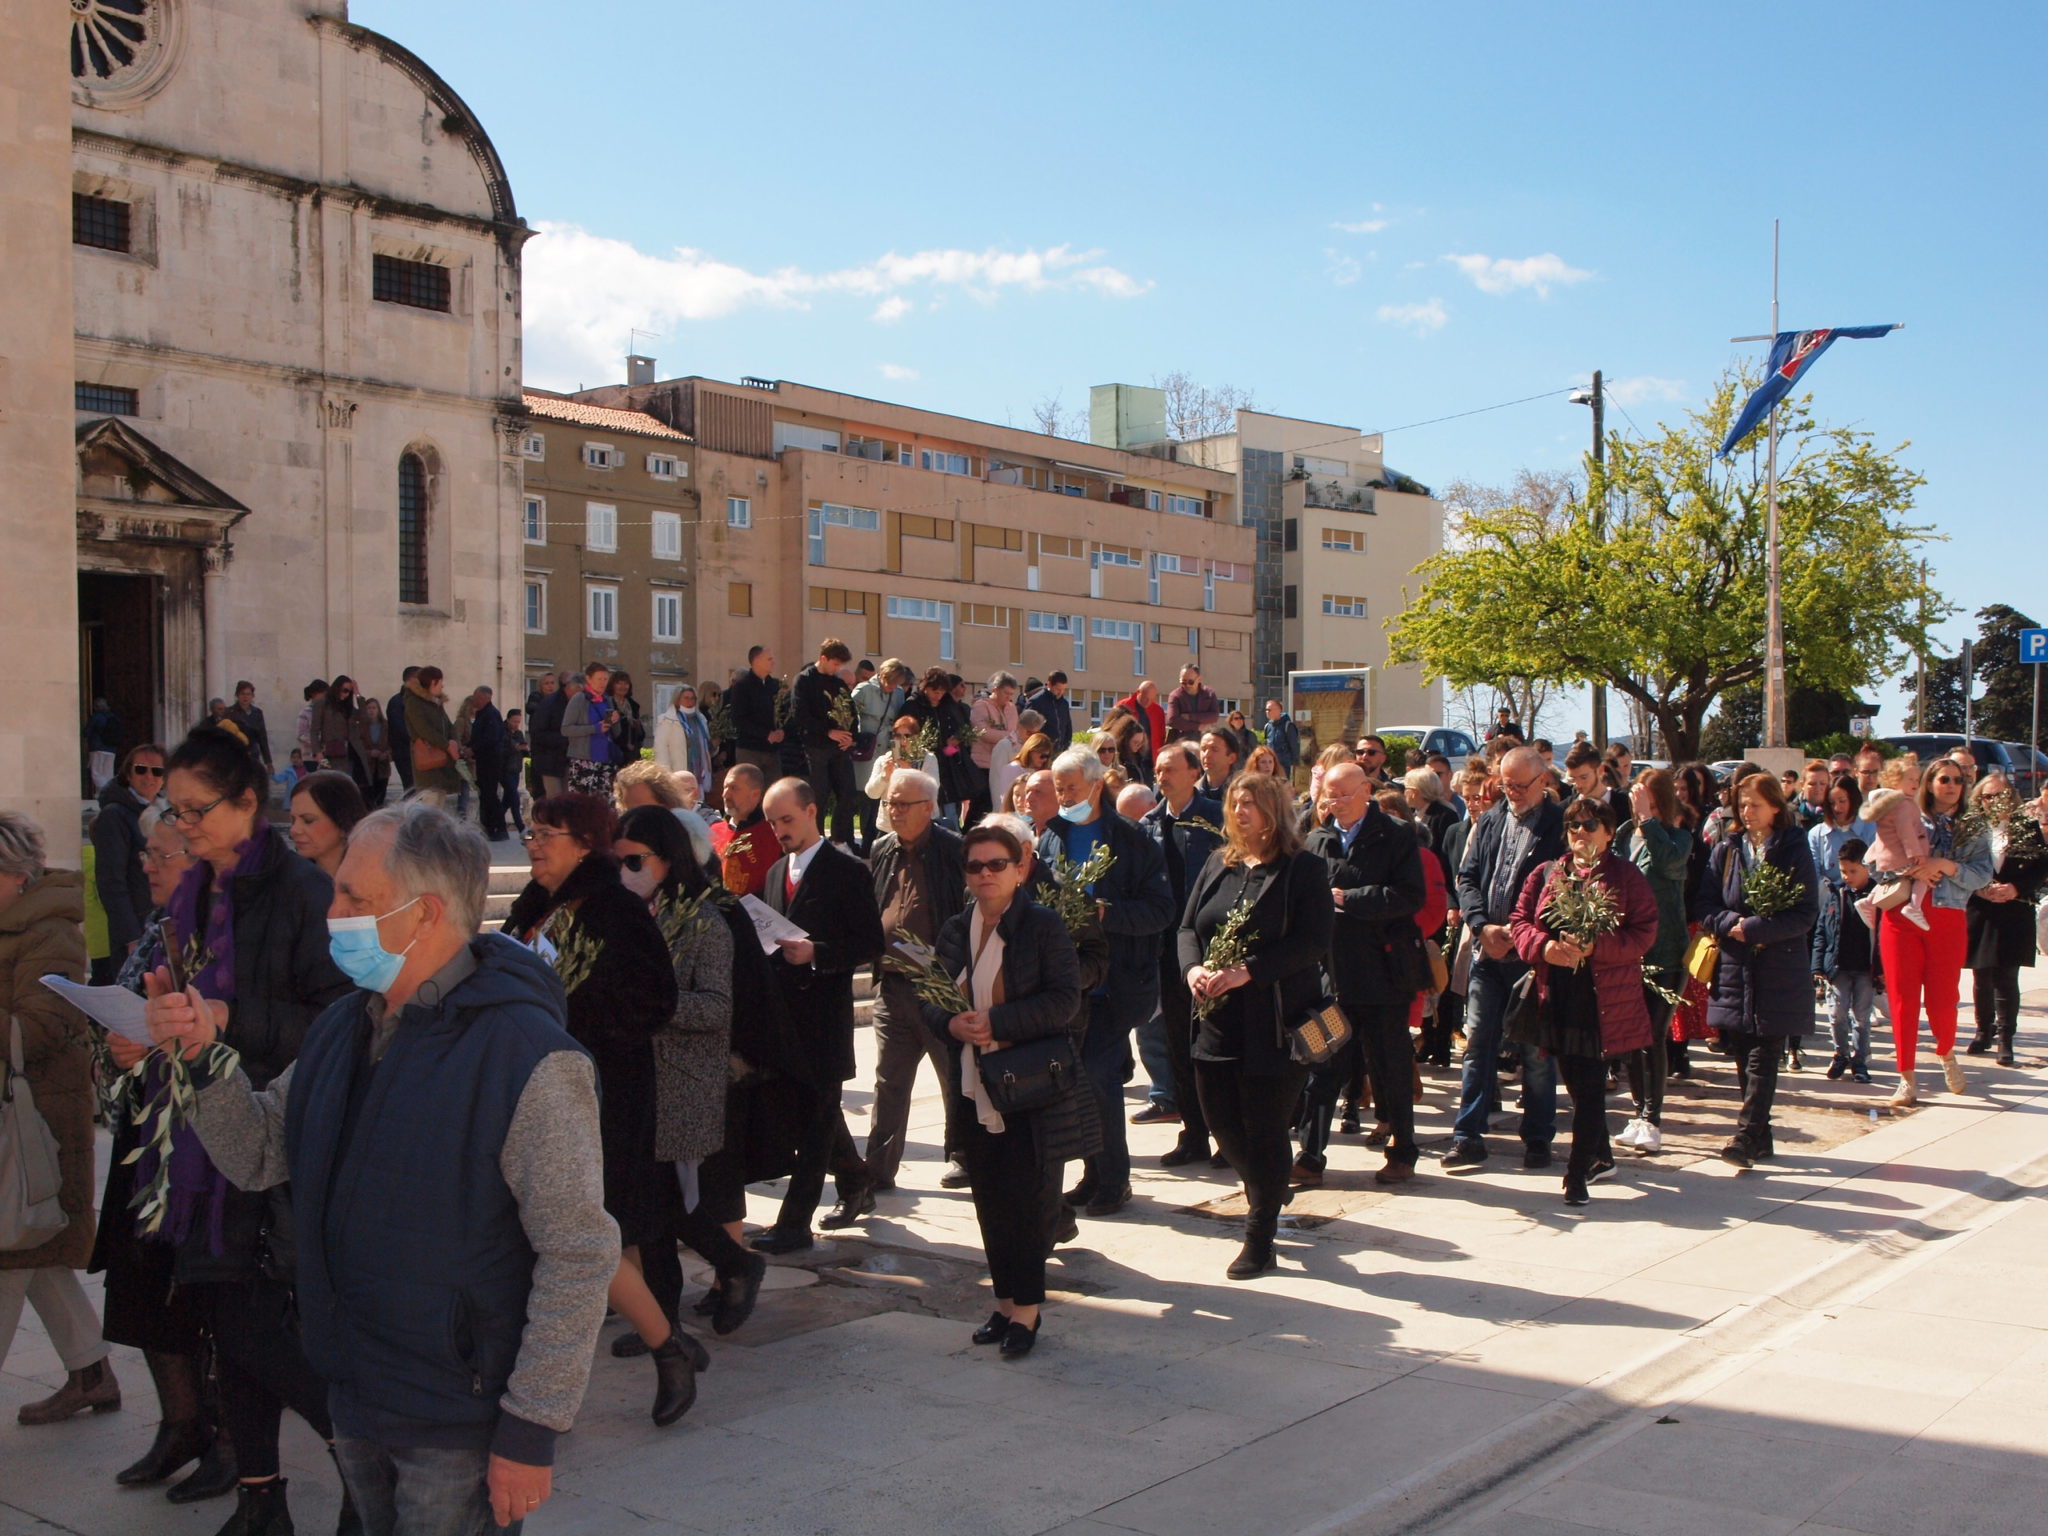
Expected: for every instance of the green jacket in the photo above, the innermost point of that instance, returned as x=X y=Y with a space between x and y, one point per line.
x=1664 y=855
x=426 y=720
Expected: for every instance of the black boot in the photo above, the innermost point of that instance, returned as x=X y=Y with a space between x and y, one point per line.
x=2005 y=1034
x=675 y=1381
x=1980 y=1044
x=184 y=1433
x=260 y=1510
x=737 y=1293
x=215 y=1475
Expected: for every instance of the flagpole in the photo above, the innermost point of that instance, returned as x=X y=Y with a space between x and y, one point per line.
x=1774 y=637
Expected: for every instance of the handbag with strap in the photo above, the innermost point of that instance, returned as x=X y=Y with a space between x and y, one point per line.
x=1316 y=1034
x=1701 y=955
x=427 y=757
x=1032 y=1074
x=31 y=1178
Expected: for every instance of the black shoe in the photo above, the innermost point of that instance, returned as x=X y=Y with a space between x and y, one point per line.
x=2005 y=1056
x=1739 y=1153
x=994 y=1330
x=1185 y=1152
x=1156 y=1114
x=1082 y=1193
x=850 y=1209
x=260 y=1510
x=1575 y=1190
x=782 y=1240
x=175 y=1444
x=1108 y=1205
x=1600 y=1170
x=707 y=1304
x=1860 y=1071
x=1066 y=1228
x=214 y=1477
x=1981 y=1046
x=1469 y=1153
x=1018 y=1339
x=1349 y=1124
x=1219 y=1161
x=1536 y=1157
x=675 y=1381
x=737 y=1294
x=1253 y=1259
x=955 y=1176
x=1838 y=1068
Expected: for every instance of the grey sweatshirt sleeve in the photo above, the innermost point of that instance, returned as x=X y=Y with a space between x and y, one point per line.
x=555 y=1169
x=242 y=1128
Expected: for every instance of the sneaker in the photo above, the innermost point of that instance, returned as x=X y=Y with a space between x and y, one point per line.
x=1626 y=1136
x=1156 y=1114
x=1905 y=1096
x=1952 y=1073
x=1604 y=1169
x=1867 y=910
x=1464 y=1154
x=1838 y=1068
x=1859 y=1071
x=1536 y=1157
x=955 y=1176
x=1649 y=1139
x=1913 y=914
x=1575 y=1190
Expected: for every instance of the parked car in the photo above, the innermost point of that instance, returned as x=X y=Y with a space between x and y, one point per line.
x=1454 y=744
x=2025 y=769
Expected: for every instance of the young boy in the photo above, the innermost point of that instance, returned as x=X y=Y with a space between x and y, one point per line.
x=1845 y=956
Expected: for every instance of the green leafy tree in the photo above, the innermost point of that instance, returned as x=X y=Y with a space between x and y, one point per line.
x=1654 y=580
x=1944 y=696
x=2005 y=708
x=1737 y=725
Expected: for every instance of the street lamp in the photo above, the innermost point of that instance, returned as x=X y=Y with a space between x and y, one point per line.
x=1596 y=397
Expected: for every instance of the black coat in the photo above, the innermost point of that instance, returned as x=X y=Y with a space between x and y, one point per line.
x=1291 y=926
x=956 y=769
x=117 y=865
x=750 y=704
x=544 y=731
x=1373 y=937
x=835 y=905
x=1042 y=996
x=811 y=694
x=1140 y=911
x=1763 y=982
x=2001 y=932
x=1059 y=717
x=1183 y=849
x=614 y=1012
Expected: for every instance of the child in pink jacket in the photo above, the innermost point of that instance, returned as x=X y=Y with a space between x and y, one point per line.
x=1900 y=844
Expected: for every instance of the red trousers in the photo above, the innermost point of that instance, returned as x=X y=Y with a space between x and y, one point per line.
x=1922 y=965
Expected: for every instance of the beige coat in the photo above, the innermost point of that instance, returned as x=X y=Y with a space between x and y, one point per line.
x=40 y=933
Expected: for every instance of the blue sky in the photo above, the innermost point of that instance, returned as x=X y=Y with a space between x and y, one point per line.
x=1367 y=214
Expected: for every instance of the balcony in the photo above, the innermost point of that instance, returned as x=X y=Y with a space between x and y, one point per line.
x=1338 y=496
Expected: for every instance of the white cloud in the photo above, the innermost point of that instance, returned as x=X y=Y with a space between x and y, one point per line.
x=585 y=291
x=1362 y=226
x=1645 y=388
x=1420 y=318
x=1342 y=270
x=897 y=372
x=1504 y=274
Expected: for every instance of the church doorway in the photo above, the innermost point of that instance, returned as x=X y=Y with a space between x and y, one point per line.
x=120 y=653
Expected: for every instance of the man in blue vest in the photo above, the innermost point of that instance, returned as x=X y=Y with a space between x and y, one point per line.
x=439 y=1131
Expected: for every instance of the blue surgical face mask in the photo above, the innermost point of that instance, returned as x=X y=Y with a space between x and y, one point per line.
x=1080 y=813
x=356 y=948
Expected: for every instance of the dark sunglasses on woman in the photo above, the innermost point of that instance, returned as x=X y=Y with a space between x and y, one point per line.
x=990 y=866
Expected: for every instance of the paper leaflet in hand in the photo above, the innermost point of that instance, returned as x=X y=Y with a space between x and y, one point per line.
x=115 y=1009
x=769 y=924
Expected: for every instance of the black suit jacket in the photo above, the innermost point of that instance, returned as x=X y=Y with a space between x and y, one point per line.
x=835 y=905
x=1382 y=881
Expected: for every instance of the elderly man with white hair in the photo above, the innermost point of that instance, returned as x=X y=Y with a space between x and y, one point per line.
x=919 y=885
x=1136 y=904
x=439 y=1131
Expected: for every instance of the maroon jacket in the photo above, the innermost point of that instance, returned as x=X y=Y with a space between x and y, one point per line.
x=1617 y=957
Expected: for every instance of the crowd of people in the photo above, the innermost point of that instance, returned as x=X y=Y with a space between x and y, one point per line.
x=389 y=1170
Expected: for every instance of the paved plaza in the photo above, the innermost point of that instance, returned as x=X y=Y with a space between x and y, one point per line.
x=1854 y=1339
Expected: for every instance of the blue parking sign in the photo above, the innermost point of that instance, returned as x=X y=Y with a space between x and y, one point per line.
x=2034 y=645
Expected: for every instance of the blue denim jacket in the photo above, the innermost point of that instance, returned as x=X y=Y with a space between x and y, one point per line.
x=1973 y=869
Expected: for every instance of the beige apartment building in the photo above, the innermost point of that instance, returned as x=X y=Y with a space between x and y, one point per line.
x=608 y=519
x=951 y=542
x=1339 y=537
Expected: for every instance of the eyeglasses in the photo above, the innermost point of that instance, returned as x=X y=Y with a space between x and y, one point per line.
x=908 y=805
x=634 y=861
x=197 y=814
x=1520 y=786
x=540 y=835
x=145 y=770
x=987 y=866
x=151 y=856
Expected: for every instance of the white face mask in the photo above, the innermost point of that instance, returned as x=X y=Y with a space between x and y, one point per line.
x=642 y=882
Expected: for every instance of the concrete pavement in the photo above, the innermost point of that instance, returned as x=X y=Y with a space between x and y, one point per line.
x=1467 y=1352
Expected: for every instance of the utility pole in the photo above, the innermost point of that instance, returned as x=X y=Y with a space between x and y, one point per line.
x=1596 y=397
x=1774 y=622
x=1920 y=677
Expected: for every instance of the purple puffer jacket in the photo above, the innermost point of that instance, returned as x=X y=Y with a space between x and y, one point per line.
x=1617 y=957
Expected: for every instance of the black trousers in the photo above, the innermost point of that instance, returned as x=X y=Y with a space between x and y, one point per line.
x=1016 y=1201
x=490 y=794
x=1648 y=1067
x=1585 y=1077
x=1382 y=1030
x=1176 y=1013
x=831 y=779
x=826 y=1145
x=1995 y=999
x=661 y=1265
x=263 y=1369
x=1249 y=1117
x=1438 y=1024
x=1756 y=1073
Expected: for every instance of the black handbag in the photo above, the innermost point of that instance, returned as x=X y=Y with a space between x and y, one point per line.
x=1032 y=1074
x=1522 y=1020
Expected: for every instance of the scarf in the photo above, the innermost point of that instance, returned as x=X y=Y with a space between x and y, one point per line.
x=984 y=989
x=696 y=744
x=210 y=966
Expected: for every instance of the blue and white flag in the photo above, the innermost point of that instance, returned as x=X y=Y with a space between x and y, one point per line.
x=1791 y=355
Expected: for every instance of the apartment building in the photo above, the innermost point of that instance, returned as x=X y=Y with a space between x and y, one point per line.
x=953 y=542
x=608 y=521
x=1339 y=535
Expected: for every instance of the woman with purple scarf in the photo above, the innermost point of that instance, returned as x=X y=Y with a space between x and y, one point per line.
x=248 y=923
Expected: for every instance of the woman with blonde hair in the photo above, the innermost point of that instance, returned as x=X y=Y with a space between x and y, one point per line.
x=1248 y=1081
x=1032 y=754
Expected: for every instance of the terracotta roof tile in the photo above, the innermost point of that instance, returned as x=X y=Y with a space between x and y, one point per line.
x=604 y=418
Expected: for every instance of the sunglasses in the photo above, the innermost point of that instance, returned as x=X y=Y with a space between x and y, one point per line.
x=140 y=771
x=987 y=866
x=1580 y=824
x=634 y=862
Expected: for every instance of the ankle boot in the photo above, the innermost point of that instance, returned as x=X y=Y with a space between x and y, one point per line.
x=94 y=1388
x=184 y=1433
x=260 y=1510
x=675 y=1381
x=2005 y=1034
x=215 y=1475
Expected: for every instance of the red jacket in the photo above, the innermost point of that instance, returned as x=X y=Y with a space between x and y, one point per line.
x=1617 y=957
x=1153 y=716
x=1429 y=922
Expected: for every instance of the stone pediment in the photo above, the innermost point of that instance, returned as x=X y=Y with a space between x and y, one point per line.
x=131 y=488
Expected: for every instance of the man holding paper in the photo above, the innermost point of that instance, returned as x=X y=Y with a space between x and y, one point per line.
x=828 y=894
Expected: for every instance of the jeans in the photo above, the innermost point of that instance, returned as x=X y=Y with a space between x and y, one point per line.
x=1855 y=1005
x=1485 y=1007
x=1106 y=1058
x=416 y=1490
x=1158 y=1062
x=901 y=1043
